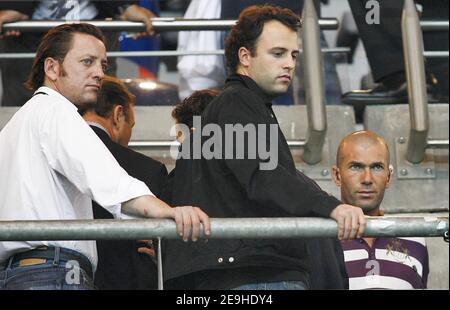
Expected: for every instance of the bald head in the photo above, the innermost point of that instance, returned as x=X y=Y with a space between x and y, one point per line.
x=362 y=170
x=364 y=139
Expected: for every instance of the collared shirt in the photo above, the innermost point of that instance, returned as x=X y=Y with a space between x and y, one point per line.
x=52 y=165
x=391 y=263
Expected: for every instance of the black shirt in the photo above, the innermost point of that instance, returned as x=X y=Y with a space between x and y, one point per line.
x=238 y=188
x=241 y=187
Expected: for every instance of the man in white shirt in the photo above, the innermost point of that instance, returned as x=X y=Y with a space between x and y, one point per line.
x=52 y=165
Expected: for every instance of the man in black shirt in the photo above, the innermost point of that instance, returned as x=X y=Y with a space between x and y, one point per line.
x=261 y=51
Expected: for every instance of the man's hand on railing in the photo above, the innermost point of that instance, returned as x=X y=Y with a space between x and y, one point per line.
x=187 y=219
x=351 y=221
x=136 y=13
x=9 y=16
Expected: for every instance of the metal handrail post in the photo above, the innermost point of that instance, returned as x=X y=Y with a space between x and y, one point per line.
x=417 y=91
x=160 y=266
x=314 y=85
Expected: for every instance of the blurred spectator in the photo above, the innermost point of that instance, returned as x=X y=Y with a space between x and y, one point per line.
x=388 y=66
x=14 y=73
x=148 y=66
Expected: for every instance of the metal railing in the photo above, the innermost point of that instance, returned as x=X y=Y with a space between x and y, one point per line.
x=434 y=25
x=159 y=24
x=221 y=228
x=436 y=54
x=437 y=144
x=342 y=50
x=168 y=144
x=417 y=92
x=336 y=50
x=181 y=24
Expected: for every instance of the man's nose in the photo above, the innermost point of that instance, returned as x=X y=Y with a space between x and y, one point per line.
x=99 y=74
x=367 y=176
x=290 y=63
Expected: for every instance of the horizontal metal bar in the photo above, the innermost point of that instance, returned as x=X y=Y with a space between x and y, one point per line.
x=153 y=144
x=436 y=54
x=168 y=144
x=164 y=53
x=125 y=54
x=221 y=228
x=343 y=50
x=437 y=144
x=434 y=25
x=159 y=24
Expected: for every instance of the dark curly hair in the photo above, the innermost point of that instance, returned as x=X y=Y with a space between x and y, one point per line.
x=249 y=27
x=56 y=44
x=184 y=112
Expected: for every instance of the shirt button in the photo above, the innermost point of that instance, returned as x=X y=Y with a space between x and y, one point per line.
x=231 y=259
x=220 y=260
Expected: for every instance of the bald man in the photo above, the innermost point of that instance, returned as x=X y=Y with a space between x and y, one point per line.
x=363 y=173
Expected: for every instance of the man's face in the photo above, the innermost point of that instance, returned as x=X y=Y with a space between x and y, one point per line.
x=273 y=65
x=363 y=175
x=82 y=70
x=126 y=127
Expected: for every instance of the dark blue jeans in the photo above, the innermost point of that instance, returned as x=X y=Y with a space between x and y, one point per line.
x=274 y=286
x=52 y=275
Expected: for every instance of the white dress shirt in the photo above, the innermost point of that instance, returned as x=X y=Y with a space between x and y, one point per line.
x=51 y=165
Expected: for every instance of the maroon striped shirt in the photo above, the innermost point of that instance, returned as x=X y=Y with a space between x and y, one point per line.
x=391 y=263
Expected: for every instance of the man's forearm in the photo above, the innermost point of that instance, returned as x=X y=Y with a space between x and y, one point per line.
x=148 y=206
x=9 y=16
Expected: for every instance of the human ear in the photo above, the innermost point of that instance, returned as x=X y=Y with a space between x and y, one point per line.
x=336 y=176
x=244 y=56
x=117 y=115
x=390 y=174
x=51 y=68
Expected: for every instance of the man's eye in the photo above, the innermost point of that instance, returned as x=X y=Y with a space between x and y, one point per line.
x=378 y=168
x=104 y=67
x=87 y=62
x=278 y=54
x=355 y=167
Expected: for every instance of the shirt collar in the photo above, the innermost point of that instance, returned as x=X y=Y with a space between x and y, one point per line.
x=250 y=84
x=95 y=124
x=52 y=92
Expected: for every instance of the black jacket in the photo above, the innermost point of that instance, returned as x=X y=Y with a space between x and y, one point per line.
x=226 y=188
x=120 y=266
x=105 y=8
